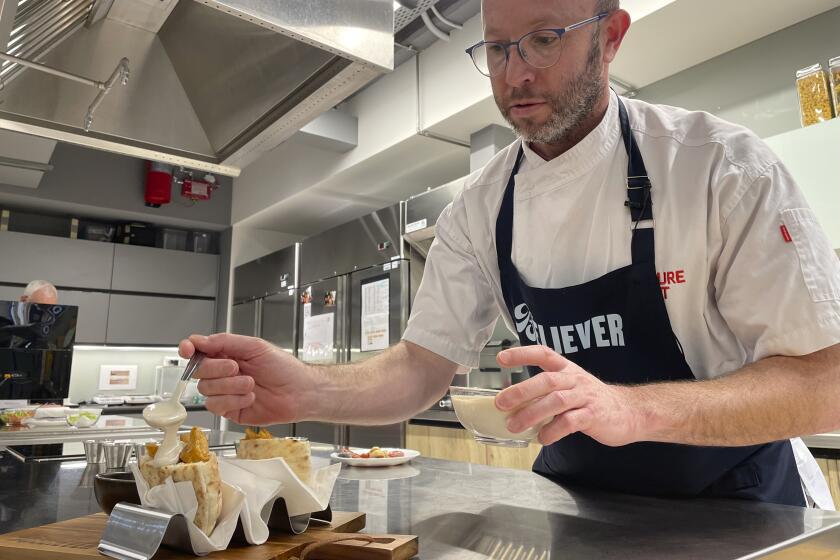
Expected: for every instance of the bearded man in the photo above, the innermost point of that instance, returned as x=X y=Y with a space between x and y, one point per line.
x=676 y=301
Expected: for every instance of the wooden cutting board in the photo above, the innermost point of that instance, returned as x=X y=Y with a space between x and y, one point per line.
x=77 y=539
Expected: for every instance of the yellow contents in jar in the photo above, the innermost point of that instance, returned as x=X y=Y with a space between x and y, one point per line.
x=814 y=97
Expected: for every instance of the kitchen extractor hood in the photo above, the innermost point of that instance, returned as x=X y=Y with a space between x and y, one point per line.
x=213 y=83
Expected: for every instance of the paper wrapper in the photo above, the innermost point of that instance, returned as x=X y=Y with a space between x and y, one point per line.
x=300 y=498
x=260 y=495
x=179 y=497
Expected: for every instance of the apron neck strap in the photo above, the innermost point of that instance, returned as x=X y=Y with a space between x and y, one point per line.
x=638 y=182
x=638 y=195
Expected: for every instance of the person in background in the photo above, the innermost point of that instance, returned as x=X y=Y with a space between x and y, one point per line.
x=40 y=291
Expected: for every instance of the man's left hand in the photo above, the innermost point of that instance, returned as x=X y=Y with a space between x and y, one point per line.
x=568 y=398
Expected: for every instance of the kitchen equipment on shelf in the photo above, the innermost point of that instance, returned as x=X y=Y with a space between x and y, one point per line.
x=136 y=234
x=171 y=238
x=167 y=378
x=109 y=399
x=141 y=399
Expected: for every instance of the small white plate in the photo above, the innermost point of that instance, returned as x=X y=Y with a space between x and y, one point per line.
x=409 y=454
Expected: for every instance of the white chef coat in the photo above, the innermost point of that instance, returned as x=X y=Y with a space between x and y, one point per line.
x=745 y=269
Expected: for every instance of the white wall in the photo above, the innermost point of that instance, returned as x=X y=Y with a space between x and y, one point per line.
x=755 y=85
x=84 y=374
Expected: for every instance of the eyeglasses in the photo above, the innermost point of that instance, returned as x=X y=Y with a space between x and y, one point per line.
x=540 y=48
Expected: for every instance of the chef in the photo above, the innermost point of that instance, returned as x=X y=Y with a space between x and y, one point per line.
x=677 y=303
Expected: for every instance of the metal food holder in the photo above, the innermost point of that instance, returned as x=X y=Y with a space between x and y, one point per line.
x=135 y=532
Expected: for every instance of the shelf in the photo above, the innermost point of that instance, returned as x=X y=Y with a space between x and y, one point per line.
x=684 y=33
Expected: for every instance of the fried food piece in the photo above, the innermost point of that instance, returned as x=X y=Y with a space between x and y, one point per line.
x=262 y=433
x=197 y=449
x=151 y=449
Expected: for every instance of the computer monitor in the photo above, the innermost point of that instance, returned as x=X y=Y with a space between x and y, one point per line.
x=36 y=350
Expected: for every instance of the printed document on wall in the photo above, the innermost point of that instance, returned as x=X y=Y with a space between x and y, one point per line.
x=318 y=338
x=375 y=315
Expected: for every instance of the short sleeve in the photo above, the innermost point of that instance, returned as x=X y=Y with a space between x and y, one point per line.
x=454 y=312
x=777 y=282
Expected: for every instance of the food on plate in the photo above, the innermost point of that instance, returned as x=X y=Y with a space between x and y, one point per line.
x=15 y=417
x=197 y=465
x=373 y=453
x=261 y=444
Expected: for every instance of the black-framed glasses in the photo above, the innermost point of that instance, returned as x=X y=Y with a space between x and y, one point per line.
x=540 y=48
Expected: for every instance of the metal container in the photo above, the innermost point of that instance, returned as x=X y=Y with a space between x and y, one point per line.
x=93 y=451
x=117 y=454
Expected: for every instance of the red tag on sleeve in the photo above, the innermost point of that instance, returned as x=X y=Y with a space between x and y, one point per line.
x=786 y=234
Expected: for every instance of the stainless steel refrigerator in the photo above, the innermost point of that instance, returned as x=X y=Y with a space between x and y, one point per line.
x=353 y=301
x=265 y=306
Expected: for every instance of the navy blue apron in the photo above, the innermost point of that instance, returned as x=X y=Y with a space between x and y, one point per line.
x=617 y=328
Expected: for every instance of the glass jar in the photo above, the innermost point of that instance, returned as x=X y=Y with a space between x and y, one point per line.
x=815 y=104
x=834 y=76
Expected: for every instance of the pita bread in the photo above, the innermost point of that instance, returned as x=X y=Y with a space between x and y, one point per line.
x=206 y=481
x=296 y=452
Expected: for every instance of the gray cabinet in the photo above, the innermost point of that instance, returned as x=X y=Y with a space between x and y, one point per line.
x=93 y=314
x=10 y=293
x=152 y=270
x=64 y=262
x=157 y=320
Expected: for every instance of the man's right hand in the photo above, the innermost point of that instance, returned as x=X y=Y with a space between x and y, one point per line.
x=250 y=381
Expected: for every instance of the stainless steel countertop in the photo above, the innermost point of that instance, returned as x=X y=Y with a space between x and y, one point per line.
x=830 y=440
x=122 y=427
x=461 y=510
x=468 y=511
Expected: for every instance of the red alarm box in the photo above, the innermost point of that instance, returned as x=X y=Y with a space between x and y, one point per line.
x=196 y=190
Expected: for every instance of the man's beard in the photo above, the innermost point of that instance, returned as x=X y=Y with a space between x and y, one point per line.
x=568 y=108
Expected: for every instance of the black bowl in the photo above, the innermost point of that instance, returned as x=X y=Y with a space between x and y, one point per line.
x=111 y=488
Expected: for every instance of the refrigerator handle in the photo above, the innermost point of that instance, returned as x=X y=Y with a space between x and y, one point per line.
x=258 y=311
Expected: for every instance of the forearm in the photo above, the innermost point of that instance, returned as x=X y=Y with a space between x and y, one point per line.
x=388 y=388
x=773 y=399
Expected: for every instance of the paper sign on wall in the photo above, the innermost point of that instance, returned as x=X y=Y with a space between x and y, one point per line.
x=375 y=315
x=318 y=338
x=118 y=378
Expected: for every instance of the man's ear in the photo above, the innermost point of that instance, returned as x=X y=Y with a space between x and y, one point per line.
x=614 y=29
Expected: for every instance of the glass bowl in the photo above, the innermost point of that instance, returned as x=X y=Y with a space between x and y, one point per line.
x=476 y=410
x=83 y=417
